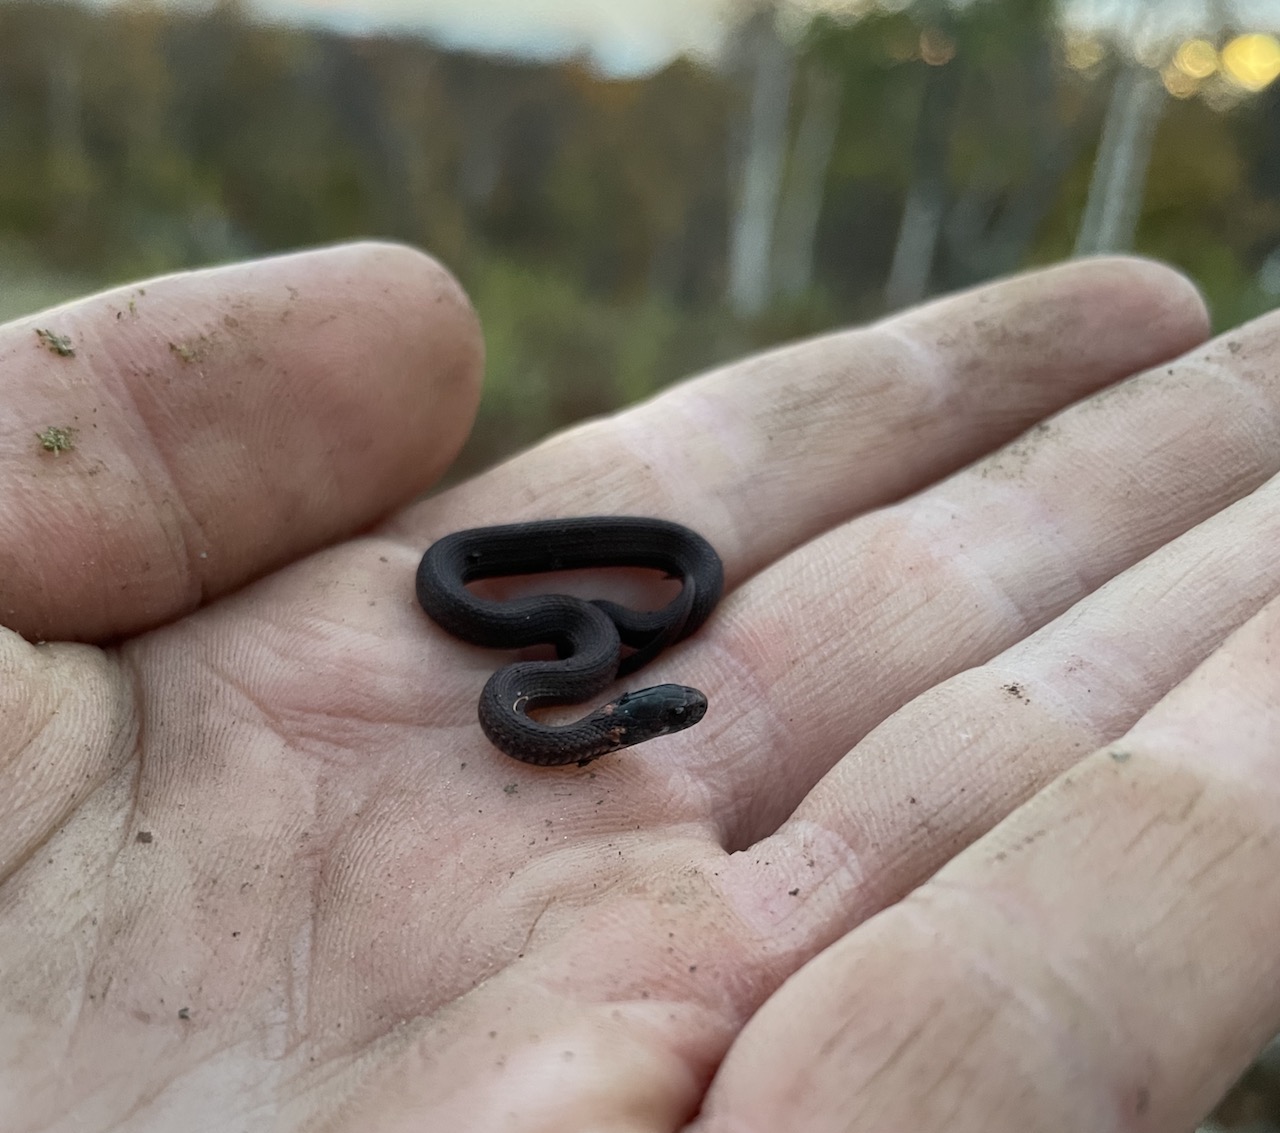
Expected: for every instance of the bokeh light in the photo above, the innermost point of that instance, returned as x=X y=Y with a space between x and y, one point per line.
x=1177 y=82
x=936 y=48
x=1083 y=52
x=1196 y=59
x=1252 y=61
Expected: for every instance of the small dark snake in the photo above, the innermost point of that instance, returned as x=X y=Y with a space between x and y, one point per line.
x=588 y=636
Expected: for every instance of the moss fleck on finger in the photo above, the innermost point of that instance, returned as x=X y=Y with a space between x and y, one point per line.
x=58 y=343
x=57 y=439
x=191 y=351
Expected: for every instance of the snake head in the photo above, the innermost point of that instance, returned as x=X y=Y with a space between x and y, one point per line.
x=658 y=711
x=636 y=717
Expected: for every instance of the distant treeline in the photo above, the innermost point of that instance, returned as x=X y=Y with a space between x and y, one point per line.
x=135 y=138
x=602 y=225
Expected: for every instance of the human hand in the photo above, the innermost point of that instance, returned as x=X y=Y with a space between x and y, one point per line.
x=260 y=860
x=1105 y=956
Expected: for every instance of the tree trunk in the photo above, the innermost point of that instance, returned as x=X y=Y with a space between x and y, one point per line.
x=926 y=201
x=751 y=237
x=810 y=161
x=989 y=231
x=1120 y=170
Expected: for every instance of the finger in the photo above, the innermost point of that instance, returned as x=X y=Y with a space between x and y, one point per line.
x=1103 y=959
x=763 y=454
x=877 y=612
x=212 y=425
x=941 y=772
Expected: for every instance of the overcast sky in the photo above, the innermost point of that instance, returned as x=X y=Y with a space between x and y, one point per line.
x=636 y=36
x=626 y=36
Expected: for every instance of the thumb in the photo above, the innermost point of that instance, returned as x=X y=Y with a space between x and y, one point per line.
x=167 y=442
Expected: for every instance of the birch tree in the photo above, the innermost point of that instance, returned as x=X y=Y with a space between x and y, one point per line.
x=925 y=206
x=771 y=68
x=1119 y=175
x=801 y=207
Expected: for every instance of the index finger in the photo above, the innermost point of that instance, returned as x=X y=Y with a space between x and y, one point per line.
x=762 y=454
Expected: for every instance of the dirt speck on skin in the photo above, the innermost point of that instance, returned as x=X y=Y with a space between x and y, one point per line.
x=1017 y=691
x=57 y=439
x=192 y=351
x=59 y=344
x=1012 y=461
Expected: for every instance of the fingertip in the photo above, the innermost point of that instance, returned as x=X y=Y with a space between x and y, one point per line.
x=431 y=324
x=1174 y=298
x=1096 y=319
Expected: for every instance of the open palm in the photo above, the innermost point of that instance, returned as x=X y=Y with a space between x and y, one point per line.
x=261 y=870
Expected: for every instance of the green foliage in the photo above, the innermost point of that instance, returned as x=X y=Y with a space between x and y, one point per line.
x=556 y=353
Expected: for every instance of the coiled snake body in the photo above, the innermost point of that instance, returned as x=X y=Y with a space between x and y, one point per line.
x=588 y=636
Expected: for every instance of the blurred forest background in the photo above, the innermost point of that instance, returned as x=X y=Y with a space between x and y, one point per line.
x=835 y=161
x=617 y=234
